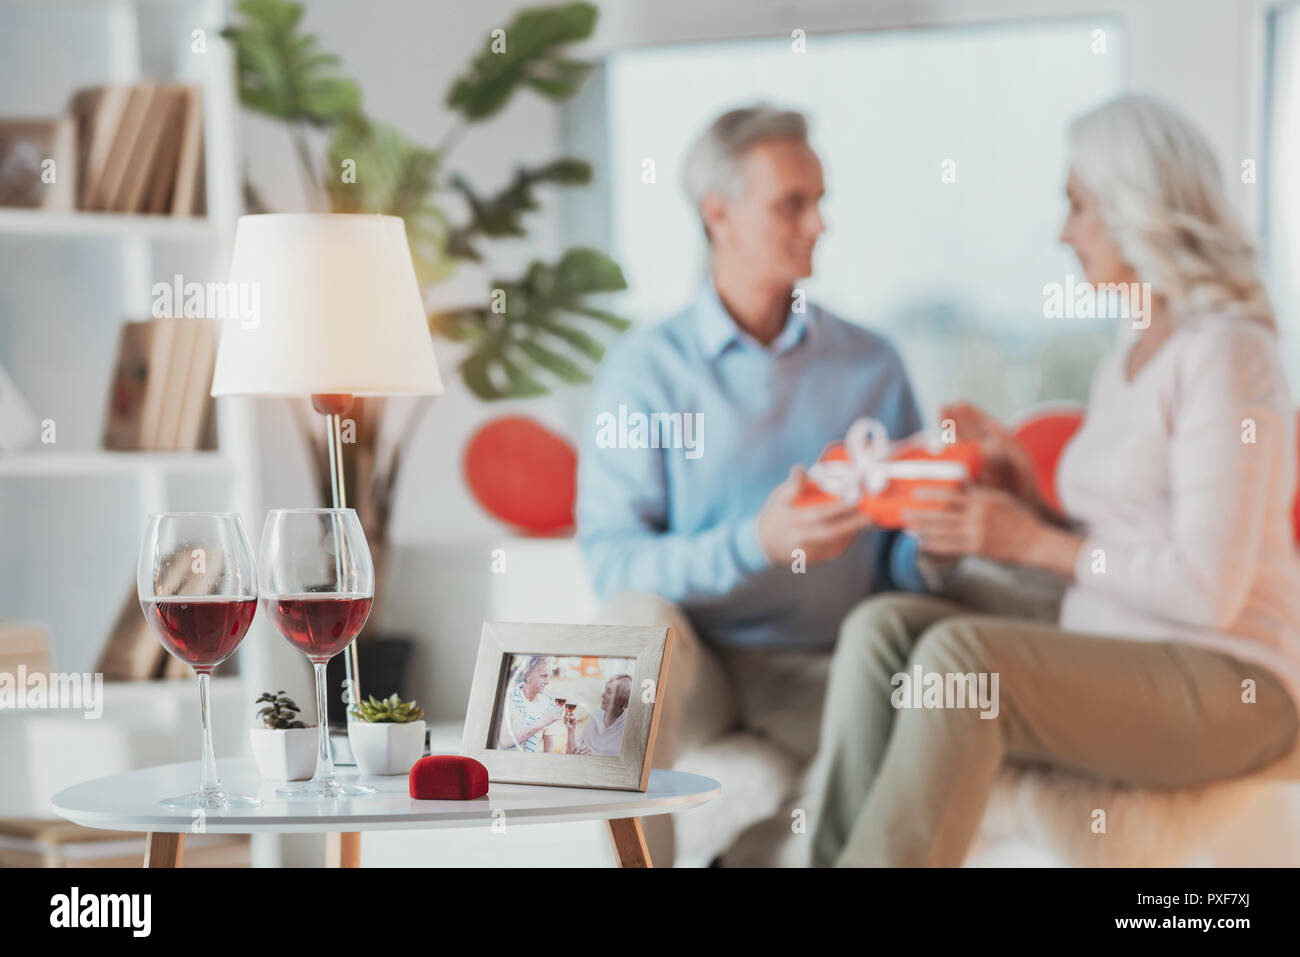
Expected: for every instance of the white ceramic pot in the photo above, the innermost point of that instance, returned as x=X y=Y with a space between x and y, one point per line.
x=386 y=747
x=285 y=755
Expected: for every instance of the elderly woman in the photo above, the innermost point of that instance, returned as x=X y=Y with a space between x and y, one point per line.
x=603 y=732
x=528 y=710
x=1176 y=657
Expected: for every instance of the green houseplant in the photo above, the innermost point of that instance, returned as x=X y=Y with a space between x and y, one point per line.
x=531 y=331
x=279 y=712
x=387 y=736
x=392 y=710
x=284 y=746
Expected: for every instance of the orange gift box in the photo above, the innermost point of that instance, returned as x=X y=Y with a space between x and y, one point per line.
x=887 y=478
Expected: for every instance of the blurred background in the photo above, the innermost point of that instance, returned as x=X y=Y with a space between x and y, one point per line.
x=556 y=179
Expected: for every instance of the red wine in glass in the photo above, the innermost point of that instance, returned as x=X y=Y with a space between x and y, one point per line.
x=320 y=626
x=560 y=701
x=202 y=632
x=317 y=583
x=569 y=706
x=197 y=587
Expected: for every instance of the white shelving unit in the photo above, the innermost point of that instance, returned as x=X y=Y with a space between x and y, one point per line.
x=70 y=512
x=101 y=463
x=57 y=224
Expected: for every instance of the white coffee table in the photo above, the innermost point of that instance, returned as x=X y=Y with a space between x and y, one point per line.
x=129 y=802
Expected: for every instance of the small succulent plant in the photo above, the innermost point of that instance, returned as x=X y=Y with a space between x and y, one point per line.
x=280 y=712
x=392 y=710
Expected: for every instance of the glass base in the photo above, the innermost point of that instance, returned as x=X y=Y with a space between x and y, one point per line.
x=210 y=801
x=324 y=789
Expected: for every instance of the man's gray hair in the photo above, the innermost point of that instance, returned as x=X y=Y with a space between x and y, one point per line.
x=532 y=664
x=713 y=164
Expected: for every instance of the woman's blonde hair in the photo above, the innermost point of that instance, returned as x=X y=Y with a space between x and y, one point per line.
x=622 y=691
x=1162 y=200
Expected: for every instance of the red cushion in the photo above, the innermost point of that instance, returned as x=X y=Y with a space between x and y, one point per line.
x=448 y=777
x=523 y=474
x=1044 y=435
x=1295 y=510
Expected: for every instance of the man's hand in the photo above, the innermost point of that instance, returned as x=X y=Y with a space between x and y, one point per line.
x=823 y=532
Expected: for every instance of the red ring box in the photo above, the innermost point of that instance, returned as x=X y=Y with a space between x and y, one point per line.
x=448 y=777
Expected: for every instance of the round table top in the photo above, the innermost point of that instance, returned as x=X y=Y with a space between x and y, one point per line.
x=129 y=802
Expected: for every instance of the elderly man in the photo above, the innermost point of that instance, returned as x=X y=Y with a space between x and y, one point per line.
x=528 y=709
x=703 y=534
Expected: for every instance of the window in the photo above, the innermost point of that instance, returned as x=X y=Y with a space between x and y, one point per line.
x=952 y=272
x=1282 y=193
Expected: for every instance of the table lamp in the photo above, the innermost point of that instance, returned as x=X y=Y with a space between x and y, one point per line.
x=329 y=308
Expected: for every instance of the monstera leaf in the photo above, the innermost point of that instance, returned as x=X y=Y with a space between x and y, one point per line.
x=527 y=53
x=395 y=177
x=536 y=328
x=502 y=214
x=283 y=72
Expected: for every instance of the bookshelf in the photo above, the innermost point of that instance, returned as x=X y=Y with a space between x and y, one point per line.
x=60 y=224
x=73 y=513
x=100 y=463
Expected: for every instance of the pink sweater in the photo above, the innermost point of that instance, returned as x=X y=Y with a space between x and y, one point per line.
x=1189 y=515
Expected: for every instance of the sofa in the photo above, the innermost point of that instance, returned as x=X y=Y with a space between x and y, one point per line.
x=1035 y=817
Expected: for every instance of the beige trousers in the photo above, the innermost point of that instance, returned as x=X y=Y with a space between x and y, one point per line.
x=908 y=785
x=711 y=691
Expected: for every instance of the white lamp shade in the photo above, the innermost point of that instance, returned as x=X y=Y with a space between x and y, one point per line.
x=329 y=304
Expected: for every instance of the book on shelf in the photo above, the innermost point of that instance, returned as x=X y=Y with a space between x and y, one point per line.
x=99 y=111
x=158 y=396
x=196 y=402
x=24 y=644
x=140 y=148
x=157 y=200
x=189 y=198
x=117 y=165
x=143 y=167
x=173 y=393
x=132 y=653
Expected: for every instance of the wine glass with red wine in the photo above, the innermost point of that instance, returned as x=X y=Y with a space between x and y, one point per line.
x=198 y=589
x=316 y=585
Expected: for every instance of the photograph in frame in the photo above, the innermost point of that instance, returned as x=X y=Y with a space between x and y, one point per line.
x=567 y=705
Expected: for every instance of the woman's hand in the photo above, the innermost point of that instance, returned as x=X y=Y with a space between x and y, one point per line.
x=975 y=520
x=1006 y=464
x=978 y=520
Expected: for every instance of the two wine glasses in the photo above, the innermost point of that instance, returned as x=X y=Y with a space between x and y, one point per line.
x=199 y=589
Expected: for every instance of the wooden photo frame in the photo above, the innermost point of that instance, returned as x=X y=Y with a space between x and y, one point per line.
x=506 y=648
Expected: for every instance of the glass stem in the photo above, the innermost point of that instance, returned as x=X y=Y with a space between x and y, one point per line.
x=208 y=782
x=324 y=763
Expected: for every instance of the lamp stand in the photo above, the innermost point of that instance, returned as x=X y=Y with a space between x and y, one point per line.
x=334 y=407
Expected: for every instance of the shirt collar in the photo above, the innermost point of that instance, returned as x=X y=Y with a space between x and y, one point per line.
x=716 y=330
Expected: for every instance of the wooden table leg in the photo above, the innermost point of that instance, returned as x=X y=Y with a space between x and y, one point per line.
x=629 y=842
x=163 y=850
x=343 y=850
